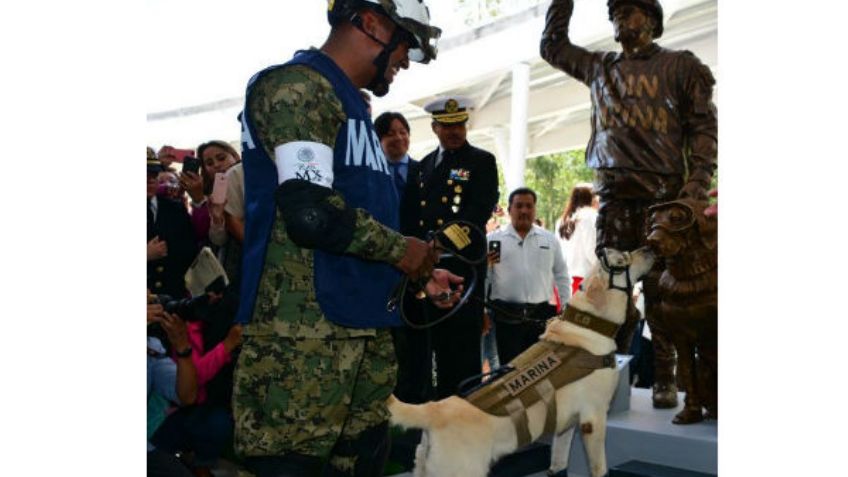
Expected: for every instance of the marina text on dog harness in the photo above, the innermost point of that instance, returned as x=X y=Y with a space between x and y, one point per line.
x=538 y=372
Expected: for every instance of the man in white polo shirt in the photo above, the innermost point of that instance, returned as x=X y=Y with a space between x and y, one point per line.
x=525 y=262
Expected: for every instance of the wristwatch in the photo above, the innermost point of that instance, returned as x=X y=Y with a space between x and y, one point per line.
x=186 y=353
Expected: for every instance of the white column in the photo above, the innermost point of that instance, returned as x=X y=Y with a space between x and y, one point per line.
x=499 y=136
x=514 y=172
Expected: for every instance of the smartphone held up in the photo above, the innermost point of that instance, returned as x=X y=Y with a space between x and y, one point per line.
x=219 y=188
x=192 y=164
x=494 y=251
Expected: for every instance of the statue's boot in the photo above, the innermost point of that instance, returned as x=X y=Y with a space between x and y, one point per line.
x=665 y=358
x=709 y=360
x=664 y=391
x=665 y=385
x=689 y=415
x=664 y=394
x=690 y=374
x=692 y=404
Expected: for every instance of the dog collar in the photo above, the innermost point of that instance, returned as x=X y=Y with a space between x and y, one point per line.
x=590 y=321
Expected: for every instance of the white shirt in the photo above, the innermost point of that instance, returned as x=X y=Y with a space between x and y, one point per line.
x=235 y=191
x=439 y=156
x=528 y=267
x=580 y=248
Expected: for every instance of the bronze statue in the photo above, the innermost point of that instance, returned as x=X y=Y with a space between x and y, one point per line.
x=654 y=138
x=687 y=239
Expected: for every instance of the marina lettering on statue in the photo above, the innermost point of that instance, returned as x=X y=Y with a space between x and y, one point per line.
x=634 y=114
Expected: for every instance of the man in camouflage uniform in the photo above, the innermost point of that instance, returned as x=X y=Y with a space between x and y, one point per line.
x=322 y=253
x=654 y=138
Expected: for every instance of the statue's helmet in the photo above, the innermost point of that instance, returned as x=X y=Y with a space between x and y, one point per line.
x=652 y=7
x=411 y=15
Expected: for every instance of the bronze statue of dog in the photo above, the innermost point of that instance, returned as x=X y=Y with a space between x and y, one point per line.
x=688 y=240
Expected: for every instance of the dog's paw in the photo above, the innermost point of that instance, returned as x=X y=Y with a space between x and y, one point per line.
x=561 y=473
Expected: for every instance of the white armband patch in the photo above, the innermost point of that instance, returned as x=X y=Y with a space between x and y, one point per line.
x=310 y=161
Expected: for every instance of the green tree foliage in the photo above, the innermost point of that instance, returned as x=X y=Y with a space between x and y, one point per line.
x=476 y=11
x=552 y=177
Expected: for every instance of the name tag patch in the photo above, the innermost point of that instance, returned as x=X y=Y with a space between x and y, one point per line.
x=532 y=374
x=460 y=174
x=309 y=161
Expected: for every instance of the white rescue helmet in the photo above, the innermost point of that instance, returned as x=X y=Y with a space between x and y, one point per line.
x=412 y=16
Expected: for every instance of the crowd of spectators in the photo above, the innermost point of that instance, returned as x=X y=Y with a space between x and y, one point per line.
x=196 y=200
x=192 y=341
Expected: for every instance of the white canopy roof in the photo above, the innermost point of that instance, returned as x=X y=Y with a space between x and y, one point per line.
x=478 y=64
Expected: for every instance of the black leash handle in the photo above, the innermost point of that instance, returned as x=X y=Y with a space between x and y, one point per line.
x=396 y=298
x=400 y=291
x=474 y=385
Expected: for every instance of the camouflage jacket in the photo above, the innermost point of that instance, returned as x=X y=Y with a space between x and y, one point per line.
x=296 y=103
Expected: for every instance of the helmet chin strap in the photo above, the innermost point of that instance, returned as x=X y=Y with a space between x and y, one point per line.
x=378 y=85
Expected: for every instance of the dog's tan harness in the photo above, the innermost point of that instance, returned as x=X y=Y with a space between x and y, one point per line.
x=538 y=372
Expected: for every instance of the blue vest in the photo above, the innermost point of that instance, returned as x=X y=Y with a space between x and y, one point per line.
x=351 y=292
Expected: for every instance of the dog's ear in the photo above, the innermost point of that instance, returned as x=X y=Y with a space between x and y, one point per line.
x=596 y=292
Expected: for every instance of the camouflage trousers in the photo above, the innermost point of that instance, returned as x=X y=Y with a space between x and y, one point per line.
x=304 y=395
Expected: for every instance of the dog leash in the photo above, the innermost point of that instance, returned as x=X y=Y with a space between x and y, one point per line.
x=451 y=239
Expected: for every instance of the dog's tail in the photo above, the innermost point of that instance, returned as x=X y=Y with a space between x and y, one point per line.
x=414 y=416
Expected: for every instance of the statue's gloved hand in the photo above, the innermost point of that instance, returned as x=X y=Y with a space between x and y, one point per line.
x=556 y=27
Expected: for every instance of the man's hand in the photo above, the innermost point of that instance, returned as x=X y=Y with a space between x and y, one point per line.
x=556 y=27
x=156 y=249
x=176 y=329
x=439 y=288
x=712 y=210
x=233 y=339
x=419 y=259
x=193 y=184
x=493 y=257
x=155 y=312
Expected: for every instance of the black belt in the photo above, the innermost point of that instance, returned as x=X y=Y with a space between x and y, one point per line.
x=513 y=313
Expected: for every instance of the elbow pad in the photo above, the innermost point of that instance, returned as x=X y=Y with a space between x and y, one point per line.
x=312 y=220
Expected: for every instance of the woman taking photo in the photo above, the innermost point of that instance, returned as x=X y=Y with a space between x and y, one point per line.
x=216 y=156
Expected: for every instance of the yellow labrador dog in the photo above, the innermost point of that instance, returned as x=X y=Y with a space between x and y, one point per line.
x=460 y=440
